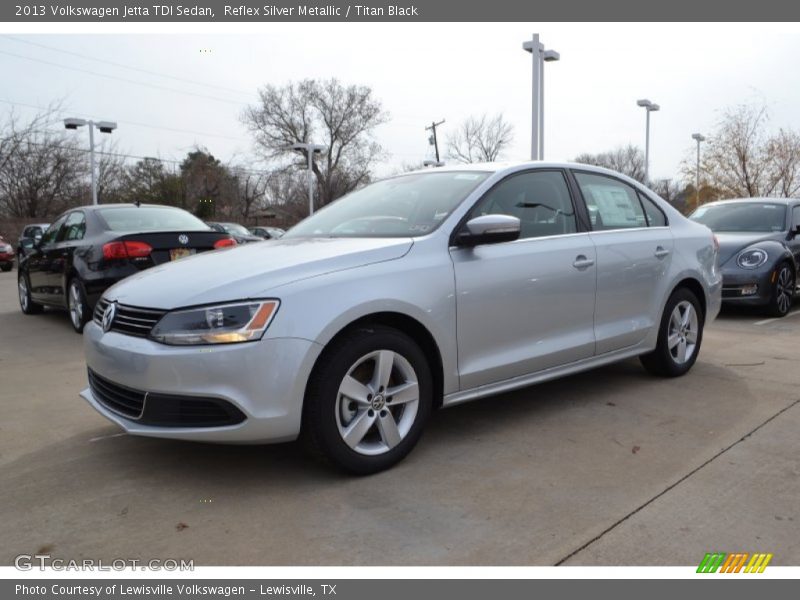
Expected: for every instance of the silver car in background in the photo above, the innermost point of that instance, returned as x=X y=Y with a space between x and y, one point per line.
x=424 y=290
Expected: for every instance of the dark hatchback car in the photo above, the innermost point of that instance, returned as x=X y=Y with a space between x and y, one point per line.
x=759 y=252
x=30 y=234
x=238 y=232
x=267 y=233
x=88 y=249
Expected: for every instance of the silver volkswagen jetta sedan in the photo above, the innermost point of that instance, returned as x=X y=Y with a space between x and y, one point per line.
x=423 y=290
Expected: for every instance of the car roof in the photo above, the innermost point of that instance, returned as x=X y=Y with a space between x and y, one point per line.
x=758 y=200
x=511 y=166
x=93 y=207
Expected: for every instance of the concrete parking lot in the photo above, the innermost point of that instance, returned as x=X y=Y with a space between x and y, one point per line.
x=608 y=467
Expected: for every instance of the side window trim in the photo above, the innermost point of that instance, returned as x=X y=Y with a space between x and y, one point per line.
x=57 y=225
x=644 y=198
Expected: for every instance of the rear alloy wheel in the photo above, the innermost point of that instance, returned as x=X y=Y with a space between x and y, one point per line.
x=368 y=400
x=76 y=305
x=679 y=336
x=782 y=292
x=28 y=306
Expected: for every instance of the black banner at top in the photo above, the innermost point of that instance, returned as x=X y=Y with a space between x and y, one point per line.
x=46 y=11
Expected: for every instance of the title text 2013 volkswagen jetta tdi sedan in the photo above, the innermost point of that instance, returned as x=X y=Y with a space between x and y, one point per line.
x=423 y=290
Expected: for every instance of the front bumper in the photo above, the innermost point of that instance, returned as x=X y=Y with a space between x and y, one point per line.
x=265 y=380
x=738 y=284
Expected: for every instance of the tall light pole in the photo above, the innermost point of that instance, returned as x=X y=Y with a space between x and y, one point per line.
x=539 y=57
x=648 y=107
x=104 y=127
x=309 y=150
x=698 y=138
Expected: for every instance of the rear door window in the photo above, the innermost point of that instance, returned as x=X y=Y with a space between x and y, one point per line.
x=611 y=203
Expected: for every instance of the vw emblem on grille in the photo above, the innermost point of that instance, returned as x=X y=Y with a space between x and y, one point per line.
x=108 y=316
x=183 y=239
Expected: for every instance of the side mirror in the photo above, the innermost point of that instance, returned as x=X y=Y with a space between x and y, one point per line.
x=28 y=243
x=489 y=229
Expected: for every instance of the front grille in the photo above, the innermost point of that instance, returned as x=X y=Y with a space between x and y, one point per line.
x=122 y=400
x=165 y=410
x=130 y=320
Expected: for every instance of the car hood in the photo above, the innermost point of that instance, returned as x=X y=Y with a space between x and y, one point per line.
x=731 y=244
x=251 y=270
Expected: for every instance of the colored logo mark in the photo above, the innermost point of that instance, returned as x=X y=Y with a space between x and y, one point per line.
x=734 y=563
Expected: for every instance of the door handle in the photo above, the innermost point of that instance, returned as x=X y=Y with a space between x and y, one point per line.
x=581 y=262
x=661 y=252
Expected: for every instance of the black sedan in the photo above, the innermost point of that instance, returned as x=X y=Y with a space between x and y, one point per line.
x=759 y=240
x=88 y=249
x=238 y=232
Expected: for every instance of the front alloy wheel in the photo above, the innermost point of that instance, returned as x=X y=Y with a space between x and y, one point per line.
x=368 y=399
x=26 y=303
x=377 y=402
x=782 y=292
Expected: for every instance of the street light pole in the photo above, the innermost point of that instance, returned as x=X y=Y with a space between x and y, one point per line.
x=310 y=150
x=104 y=127
x=698 y=138
x=649 y=107
x=539 y=57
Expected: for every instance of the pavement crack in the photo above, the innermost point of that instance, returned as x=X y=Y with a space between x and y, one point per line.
x=675 y=484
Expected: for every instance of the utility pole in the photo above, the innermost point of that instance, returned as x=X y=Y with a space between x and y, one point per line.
x=433 y=140
x=309 y=150
x=698 y=137
x=540 y=56
x=104 y=127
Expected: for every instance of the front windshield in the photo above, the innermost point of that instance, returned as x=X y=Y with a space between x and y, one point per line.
x=233 y=228
x=745 y=216
x=404 y=206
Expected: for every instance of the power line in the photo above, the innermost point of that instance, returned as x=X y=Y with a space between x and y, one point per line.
x=135 y=123
x=123 y=79
x=124 y=66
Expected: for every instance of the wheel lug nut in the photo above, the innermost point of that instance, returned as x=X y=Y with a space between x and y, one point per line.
x=371 y=413
x=369 y=396
x=389 y=399
x=383 y=413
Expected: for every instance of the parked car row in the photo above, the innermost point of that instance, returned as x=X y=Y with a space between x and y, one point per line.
x=423 y=290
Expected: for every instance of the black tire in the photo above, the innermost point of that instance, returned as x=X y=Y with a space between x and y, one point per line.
x=26 y=303
x=780 y=302
x=661 y=361
x=323 y=403
x=6 y=267
x=81 y=317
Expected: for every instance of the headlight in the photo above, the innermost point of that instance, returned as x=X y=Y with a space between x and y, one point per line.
x=218 y=324
x=752 y=259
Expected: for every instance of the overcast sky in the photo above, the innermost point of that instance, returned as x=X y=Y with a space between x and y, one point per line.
x=420 y=72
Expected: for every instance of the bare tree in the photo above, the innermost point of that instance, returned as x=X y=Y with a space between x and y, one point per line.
x=736 y=159
x=41 y=171
x=340 y=117
x=628 y=160
x=480 y=139
x=783 y=150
